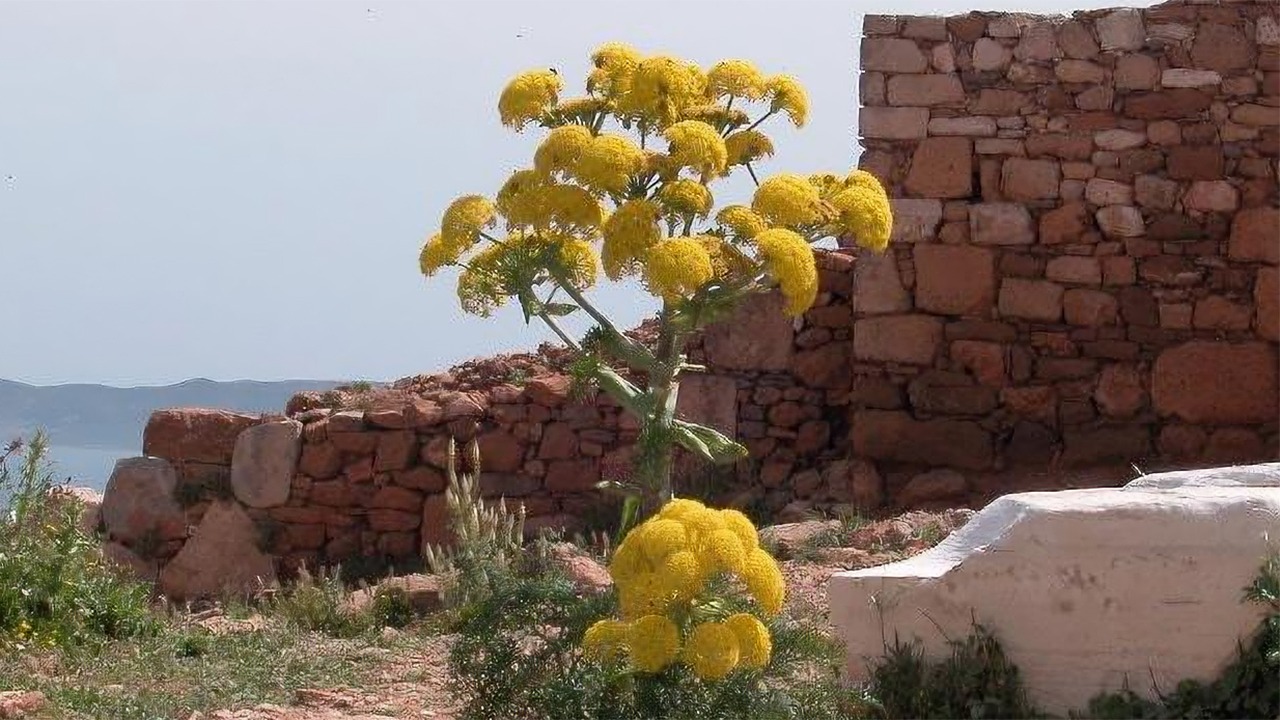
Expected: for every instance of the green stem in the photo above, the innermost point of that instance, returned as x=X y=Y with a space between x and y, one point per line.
x=633 y=353
x=764 y=117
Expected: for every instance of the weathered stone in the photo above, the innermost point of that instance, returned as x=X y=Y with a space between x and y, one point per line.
x=221 y=558
x=1101 y=192
x=877 y=286
x=1256 y=115
x=579 y=475
x=955 y=279
x=1119 y=270
x=1065 y=224
x=1077 y=41
x=1037 y=300
x=941 y=167
x=924 y=90
x=549 y=390
x=558 y=441
x=139 y=501
x=1074 y=269
x=1101 y=446
x=1117 y=139
x=1217 y=383
x=1254 y=235
x=930 y=487
x=1266 y=296
x=972 y=126
x=1120 y=221
x=500 y=451
x=911 y=339
x=1120 y=392
x=991 y=56
x=1090 y=308
x=1212 y=196
x=915 y=220
x=887 y=435
x=1189 y=78
x=194 y=434
x=993 y=101
x=134 y=565
x=1121 y=30
x=1037 y=402
x=757 y=336
x=1170 y=104
x=1218 y=313
x=1221 y=47
x=1059 y=145
x=1195 y=162
x=1151 y=191
x=936 y=392
x=391 y=497
x=1079 y=71
x=1024 y=180
x=264 y=462
x=985 y=360
x=21 y=703
x=943 y=58
x=893 y=123
x=1000 y=224
x=709 y=400
x=1038 y=43
x=824 y=367
x=892 y=55
x=384 y=520
x=1136 y=72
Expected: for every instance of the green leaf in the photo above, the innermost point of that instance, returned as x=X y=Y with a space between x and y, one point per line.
x=559 y=309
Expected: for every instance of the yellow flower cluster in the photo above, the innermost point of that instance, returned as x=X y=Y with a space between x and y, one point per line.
x=662 y=570
x=557 y=209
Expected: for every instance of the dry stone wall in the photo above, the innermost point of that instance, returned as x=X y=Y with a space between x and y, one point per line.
x=1083 y=276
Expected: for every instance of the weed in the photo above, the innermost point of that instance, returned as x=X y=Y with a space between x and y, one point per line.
x=317 y=603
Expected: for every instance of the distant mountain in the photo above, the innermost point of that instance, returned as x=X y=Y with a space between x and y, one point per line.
x=100 y=416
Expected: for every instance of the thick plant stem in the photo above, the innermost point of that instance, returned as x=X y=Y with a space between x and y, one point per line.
x=657 y=452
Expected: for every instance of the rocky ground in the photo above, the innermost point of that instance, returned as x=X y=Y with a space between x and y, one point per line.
x=404 y=674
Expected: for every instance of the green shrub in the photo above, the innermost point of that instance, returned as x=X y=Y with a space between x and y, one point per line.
x=391 y=607
x=318 y=603
x=56 y=589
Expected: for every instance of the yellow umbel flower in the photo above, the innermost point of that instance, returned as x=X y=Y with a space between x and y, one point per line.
x=676 y=268
x=827 y=184
x=608 y=162
x=659 y=538
x=741 y=526
x=571 y=208
x=785 y=94
x=764 y=581
x=863 y=179
x=695 y=144
x=628 y=233
x=726 y=260
x=686 y=197
x=560 y=150
x=755 y=647
x=661 y=88
x=789 y=259
x=654 y=641
x=614 y=63
x=735 y=78
x=527 y=97
x=519 y=200
x=605 y=640
x=436 y=253
x=677 y=508
x=717 y=116
x=465 y=217
x=742 y=221
x=681 y=574
x=579 y=261
x=581 y=110
x=481 y=285
x=661 y=165
x=628 y=563
x=747 y=146
x=787 y=199
x=645 y=594
x=725 y=551
x=712 y=651
x=701 y=523
x=866 y=214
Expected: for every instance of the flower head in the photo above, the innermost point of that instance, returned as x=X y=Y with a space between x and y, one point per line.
x=685 y=197
x=661 y=88
x=789 y=259
x=560 y=151
x=615 y=63
x=654 y=641
x=527 y=96
x=606 y=639
x=866 y=214
x=787 y=199
x=742 y=221
x=681 y=574
x=764 y=580
x=518 y=199
x=741 y=526
x=754 y=644
x=676 y=268
x=695 y=144
x=727 y=261
x=628 y=233
x=724 y=550
x=677 y=508
x=747 y=146
x=786 y=95
x=659 y=538
x=436 y=253
x=712 y=651
x=735 y=78
x=607 y=163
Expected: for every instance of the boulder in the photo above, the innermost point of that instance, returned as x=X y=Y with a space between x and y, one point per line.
x=1217 y=383
x=264 y=461
x=139 y=503
x=222 y=557
x=195 y=434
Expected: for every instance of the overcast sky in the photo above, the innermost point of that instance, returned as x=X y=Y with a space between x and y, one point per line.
x=239 y=189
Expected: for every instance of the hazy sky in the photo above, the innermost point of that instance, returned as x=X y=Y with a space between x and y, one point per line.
x=239 y=189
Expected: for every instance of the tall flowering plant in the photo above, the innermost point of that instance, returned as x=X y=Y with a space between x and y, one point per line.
x=621 y=182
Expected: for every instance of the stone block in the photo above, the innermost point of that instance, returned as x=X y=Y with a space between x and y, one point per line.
x=890 y=435
x=877 y=285
x=910 y=339
x=757 y=336
x=1025 y=180
x=1076 y=585
x=1217 y=383
x=927 y=90
x=941 y=167
x=1037 y=300
x=955 y=279
x=1000 y=224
